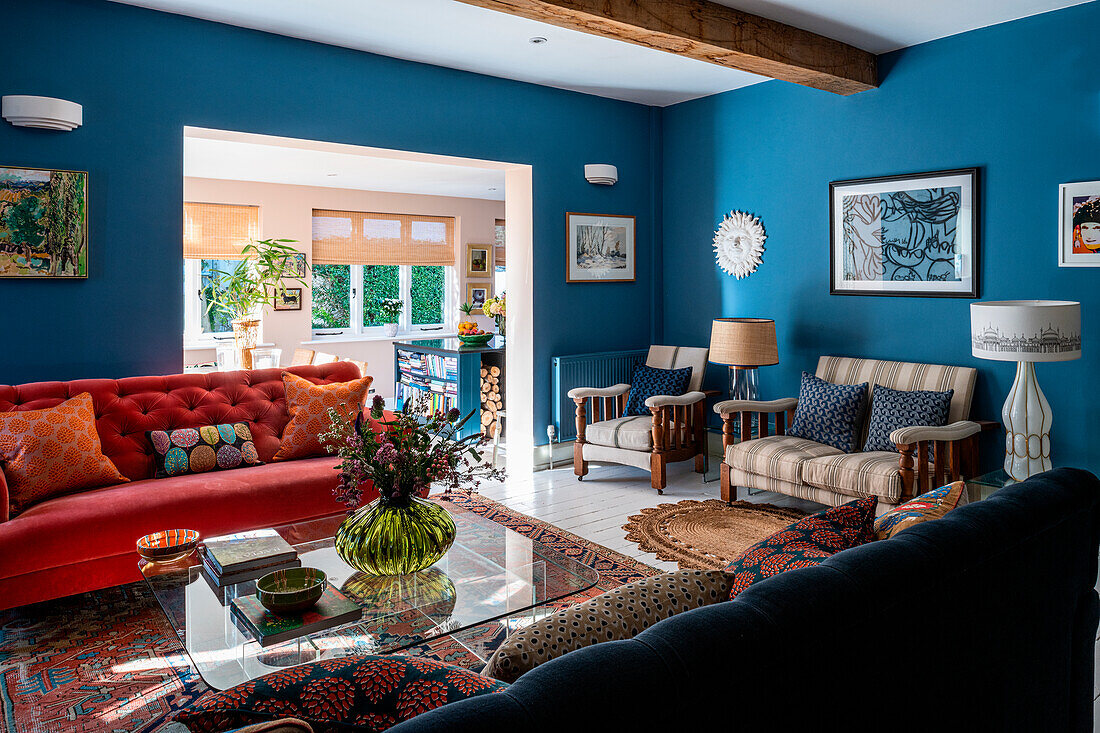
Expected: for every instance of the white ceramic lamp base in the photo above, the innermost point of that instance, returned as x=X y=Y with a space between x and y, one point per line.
x=1027 y=418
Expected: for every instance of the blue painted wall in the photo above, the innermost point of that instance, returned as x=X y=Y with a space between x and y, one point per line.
x=1020 y=100
x=143 y=75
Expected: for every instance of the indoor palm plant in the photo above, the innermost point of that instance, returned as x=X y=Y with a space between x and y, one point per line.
x=257 y=278
x=402 y=454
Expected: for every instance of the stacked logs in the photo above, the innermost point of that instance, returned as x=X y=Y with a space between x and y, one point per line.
x=492 y=398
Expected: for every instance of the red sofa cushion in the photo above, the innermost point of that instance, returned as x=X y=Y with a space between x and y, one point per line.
x=126 y=408
x=107 y=522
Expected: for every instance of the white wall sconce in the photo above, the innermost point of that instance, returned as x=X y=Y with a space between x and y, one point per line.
x=601 y=174
x=47 y=113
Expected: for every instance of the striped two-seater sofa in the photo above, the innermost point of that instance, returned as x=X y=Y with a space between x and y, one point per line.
x=927 y=456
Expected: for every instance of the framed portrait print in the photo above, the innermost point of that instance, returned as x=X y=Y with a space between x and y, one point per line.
x=599 y=248
x=479 y=260
x=1079 y=224
x=43 y=223
x=911 y=235
x=289 y=300
x=476 y=295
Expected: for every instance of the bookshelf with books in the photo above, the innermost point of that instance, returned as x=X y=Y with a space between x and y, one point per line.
x=446 y=372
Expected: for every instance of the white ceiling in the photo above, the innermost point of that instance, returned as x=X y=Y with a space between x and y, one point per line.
x=245 y=157
x=460 y=36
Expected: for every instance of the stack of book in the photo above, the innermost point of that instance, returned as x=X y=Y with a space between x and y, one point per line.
x=235 y=558
x=267 y=628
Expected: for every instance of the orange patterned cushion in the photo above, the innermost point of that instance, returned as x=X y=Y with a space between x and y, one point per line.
x=53 y=451
x=308 y=405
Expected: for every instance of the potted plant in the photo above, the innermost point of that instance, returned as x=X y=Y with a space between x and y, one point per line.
x=265 y=264
x=402 y=454
x=390 y=310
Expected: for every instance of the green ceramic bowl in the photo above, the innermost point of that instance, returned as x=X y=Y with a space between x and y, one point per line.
x=478 y=340
x=290 y=590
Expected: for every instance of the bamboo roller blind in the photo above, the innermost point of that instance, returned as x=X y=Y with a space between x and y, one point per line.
x=218 y=231
x=361 y=238
x=499 y=253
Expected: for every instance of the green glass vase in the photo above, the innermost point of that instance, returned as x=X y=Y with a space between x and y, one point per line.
x=395 y=537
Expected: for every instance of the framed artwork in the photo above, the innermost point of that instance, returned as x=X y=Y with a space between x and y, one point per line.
x=476 y=295
x=479 y=260
x=1079 y=224
x=302 y=265
x=912 y=235
x=289 y=300
x=599 y=248
x=43 y=223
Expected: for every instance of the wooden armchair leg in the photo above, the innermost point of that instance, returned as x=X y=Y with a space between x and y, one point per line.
x=729 y=493
x=580 y=466
x=657 y=472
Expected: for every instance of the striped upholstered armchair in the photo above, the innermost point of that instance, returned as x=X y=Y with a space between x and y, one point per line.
x=760 y=455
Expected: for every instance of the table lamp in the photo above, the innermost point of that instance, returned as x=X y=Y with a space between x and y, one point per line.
x=1026 y=331
x=743 y=344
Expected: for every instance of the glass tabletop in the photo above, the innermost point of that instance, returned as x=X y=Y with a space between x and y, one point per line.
x=489 y=573
x=984 y=486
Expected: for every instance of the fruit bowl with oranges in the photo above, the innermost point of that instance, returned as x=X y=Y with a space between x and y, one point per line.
x=471 y=335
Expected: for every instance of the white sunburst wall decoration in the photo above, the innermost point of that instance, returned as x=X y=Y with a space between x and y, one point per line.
x=739 y=244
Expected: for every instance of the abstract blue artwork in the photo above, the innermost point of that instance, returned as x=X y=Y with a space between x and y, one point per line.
x=902 y=236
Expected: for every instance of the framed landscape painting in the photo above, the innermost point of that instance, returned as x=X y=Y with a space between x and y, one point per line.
x=912 y=235
x=599 y=248
x=1079 y=224
x=43 y=223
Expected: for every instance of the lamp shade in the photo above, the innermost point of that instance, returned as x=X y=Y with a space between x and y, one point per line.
x=1026 y=330
x=743 y=342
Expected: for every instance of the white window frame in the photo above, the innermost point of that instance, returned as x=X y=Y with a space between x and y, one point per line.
x=192 y=309
x=405 y=326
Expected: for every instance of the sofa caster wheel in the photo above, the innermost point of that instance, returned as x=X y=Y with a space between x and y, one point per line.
x=661 y=492
x=580 y=478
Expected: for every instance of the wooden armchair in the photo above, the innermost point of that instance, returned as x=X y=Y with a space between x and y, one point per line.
x=673 y=431
x=759 y=454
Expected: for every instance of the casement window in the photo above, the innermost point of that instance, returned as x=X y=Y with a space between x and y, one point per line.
x=213 y=235
x=499 y=282
x=363 y=258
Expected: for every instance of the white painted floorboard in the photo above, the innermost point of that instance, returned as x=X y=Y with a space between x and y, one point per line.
x=597 y=507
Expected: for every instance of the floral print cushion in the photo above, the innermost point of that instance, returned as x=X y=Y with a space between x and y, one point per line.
x=372 y=692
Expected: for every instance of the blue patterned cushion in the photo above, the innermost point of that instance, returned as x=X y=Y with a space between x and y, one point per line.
x=829 y=413
x=892 y=409
x=648 y=381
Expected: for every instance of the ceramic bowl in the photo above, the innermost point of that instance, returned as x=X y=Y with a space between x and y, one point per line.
x=477 y=340
x=290 y=590
x=168 y=544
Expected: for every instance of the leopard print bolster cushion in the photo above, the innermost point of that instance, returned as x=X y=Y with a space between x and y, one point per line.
x=619 y=614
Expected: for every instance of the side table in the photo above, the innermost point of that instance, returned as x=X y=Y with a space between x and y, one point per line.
x=983 y=486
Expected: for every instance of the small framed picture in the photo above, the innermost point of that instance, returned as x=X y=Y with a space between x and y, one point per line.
x=1079 y=224
x=479 y=260
x=301 y=265
x=476 y=295
x=599 y=248
x=43 y=223
x=289 y=300
x=911 y=235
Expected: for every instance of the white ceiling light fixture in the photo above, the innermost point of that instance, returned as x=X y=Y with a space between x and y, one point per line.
x=601 y=174
x=46 y=113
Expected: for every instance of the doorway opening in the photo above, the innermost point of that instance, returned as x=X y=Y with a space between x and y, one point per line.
x=378 y=231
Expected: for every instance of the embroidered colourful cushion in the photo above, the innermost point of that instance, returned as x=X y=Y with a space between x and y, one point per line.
x=376 y=692
x=52 y=451
x=809 y=541
x=894 y=408
x=933 y=505
x=198 y=450
x=829 y=413
x=649 y=381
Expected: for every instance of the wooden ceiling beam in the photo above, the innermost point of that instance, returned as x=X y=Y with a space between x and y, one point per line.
x=708 y=31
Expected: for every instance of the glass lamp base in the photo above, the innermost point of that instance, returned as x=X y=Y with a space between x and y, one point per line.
x=743 y=384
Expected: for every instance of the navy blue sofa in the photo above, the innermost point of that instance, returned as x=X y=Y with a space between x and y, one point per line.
x=984 y=620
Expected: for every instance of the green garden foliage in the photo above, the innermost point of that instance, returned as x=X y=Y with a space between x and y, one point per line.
x=332 y=294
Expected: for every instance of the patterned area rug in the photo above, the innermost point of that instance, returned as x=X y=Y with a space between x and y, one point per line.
x=705 y=535
x=108 y=661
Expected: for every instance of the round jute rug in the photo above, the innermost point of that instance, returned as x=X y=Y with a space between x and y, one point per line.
x=705 y=535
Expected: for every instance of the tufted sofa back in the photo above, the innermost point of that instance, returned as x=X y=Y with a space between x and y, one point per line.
x=126 y=408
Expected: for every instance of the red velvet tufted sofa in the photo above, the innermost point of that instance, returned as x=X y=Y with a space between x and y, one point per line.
x=85 y=541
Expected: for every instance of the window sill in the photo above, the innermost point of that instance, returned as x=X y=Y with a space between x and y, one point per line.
x=321 y=340
x=213 y=345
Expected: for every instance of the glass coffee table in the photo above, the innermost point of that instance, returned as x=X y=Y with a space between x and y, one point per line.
x=490 y=573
